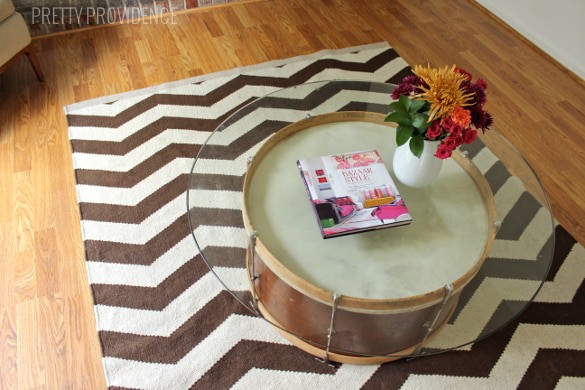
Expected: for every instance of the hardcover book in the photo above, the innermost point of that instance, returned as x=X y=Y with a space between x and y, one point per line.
x=352 y=192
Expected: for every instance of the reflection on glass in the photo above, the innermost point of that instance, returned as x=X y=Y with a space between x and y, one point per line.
x=397 y=271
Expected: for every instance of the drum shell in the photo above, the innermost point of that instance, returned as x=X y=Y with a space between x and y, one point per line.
x=397 y=330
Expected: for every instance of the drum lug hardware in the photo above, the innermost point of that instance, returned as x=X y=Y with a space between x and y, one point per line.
x=308 y=116
x=249 y=160
x=251 y=247
x=465 y=153
x=330 y=332
x=431 y=325
x=497 y=225
x=330 y=363
x=252 y=275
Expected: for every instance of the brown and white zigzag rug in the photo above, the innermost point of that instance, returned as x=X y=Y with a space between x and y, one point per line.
x=164 y=320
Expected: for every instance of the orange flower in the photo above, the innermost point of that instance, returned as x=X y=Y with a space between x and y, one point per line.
x=461 y=116
x=442 y=90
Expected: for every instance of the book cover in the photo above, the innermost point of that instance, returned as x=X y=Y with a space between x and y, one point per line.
x=352 y=192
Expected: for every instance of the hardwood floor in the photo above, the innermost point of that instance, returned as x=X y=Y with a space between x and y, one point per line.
x=47 y=325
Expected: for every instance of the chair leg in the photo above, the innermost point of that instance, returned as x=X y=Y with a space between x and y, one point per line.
x=34 y=61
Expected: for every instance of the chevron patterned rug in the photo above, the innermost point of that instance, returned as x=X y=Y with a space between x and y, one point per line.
x=164 y=320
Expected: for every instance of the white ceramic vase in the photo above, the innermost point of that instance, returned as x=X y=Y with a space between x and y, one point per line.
x=414 y=171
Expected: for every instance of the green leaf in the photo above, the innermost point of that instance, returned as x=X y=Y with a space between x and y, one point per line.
x=417 y=143
x=401 y=118
x=397 y=106
x=405 y=101
x=426 y=124
x=403 y=133
x=416 y=105
x=419 y=120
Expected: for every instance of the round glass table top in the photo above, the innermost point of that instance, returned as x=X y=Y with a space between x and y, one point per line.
x=477 y=252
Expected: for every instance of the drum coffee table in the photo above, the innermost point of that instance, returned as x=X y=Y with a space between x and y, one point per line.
x=477 y=252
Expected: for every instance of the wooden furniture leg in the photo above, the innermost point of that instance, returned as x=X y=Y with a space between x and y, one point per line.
x=34 y=61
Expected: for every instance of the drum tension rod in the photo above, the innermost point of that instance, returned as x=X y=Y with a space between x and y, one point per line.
x=430 y=326
x=251 y=247
x=330 y=332
x=252 y=275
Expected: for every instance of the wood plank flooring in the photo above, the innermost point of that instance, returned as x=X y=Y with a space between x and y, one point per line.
x=47 y=326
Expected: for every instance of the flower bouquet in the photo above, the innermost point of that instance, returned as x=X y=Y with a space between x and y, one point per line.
x=439 y=104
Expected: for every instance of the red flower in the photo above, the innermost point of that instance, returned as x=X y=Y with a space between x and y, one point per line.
x=443 y=151
x=463 y=72
x=450 y=142
x=481 y=83
x=456 y=130
x=408 y=86
x=469 y=135
x=434 y=131
x=447 y=123
x=478 y=91
x=481 y=119
x=459 y=140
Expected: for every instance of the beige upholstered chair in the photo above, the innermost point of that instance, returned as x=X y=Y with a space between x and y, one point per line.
x=15 y=39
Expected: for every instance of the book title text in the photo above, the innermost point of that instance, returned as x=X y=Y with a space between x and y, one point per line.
x=357 y=175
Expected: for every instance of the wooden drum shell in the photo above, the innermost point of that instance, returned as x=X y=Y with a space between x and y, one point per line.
x=384 y=329
x=385 y=336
